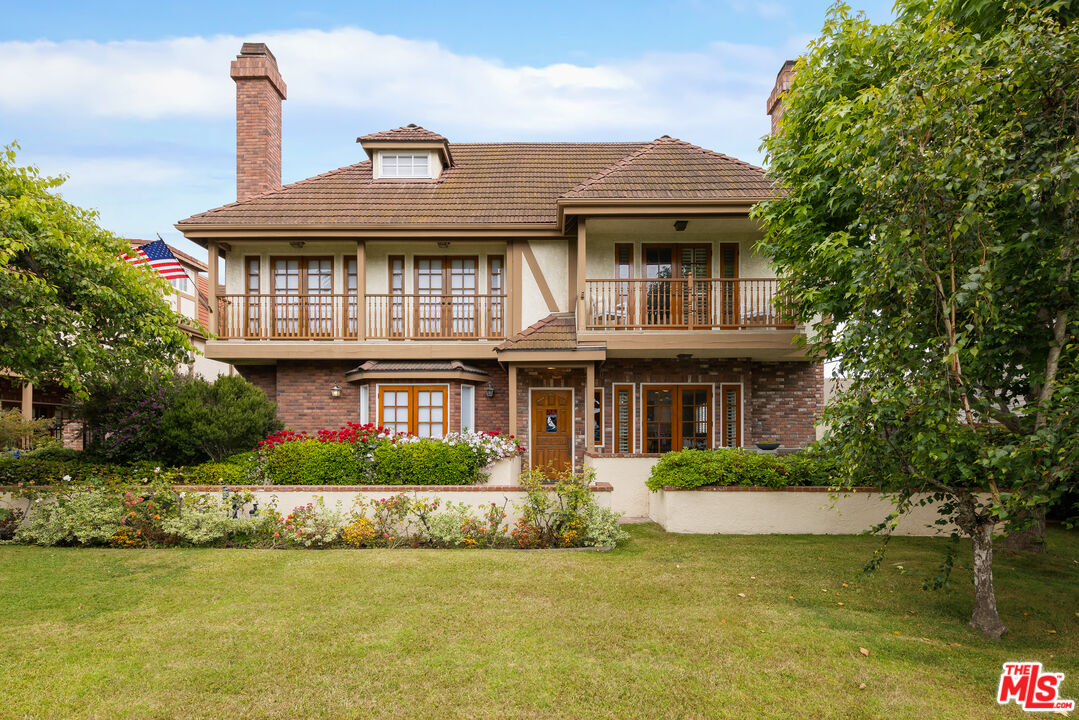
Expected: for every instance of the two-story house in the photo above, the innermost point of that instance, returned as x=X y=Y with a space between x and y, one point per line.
x=593 y=298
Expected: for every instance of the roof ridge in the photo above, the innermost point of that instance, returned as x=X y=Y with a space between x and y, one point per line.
x=628 y=159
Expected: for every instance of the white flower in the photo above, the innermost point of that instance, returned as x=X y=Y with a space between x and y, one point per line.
x=67 y=478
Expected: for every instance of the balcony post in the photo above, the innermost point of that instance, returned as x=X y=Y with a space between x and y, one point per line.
x=28 y=401
x=580 y=274
x=361 y=290
x=211 y=290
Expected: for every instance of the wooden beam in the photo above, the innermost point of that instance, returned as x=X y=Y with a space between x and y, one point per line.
x=589 y=402
x=28 y=401
x=211 y=291
x=515 y=288
x=513 y=399
x=537 y=273
x=571 y=262
x=361 y=289
x=581 y=249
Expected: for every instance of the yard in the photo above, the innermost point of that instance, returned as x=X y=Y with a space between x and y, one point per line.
x=655 y=629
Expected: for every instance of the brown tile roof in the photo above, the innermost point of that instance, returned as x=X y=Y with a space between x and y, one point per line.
x=417 y=366
x=669 y=168
x=408 y=133
x=488 y=183
x=501 y=183
x=557 y=331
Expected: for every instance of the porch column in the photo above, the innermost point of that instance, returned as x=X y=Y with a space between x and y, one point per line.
x=361 y=289
x=580 y=274
x=513 y=399
x=28 y=401
x=571 y=290
x=589 y=405
x=211 y=291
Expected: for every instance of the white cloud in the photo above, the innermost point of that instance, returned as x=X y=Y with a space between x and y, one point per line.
x=351 y=69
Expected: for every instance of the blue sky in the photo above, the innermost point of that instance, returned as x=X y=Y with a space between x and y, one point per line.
x=133 y=100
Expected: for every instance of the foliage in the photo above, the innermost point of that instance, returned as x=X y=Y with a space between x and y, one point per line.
x=215 y=420
x=310 y=462
x=13 y=429
x=427 y=462
x=929 y=225
x=10 y=518
x=71 y=312
x=79 y=517
x=204 y=519
x=313 y=525
x=359 y=533
x=690 y=468
x=561 y=516
x=126 y=415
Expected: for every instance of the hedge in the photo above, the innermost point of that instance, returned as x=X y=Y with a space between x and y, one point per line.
x=310 y=462
x=689 y=469
x=426 y=462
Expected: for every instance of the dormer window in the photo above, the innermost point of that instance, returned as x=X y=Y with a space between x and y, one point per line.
x=404 y=165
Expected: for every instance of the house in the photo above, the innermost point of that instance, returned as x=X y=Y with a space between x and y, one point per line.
x=190 y=298
x=599 y=300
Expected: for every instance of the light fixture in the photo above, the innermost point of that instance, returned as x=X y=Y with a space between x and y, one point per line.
x=298 y=244
x=335 y=391
x=443 y=244
x=680 y=225
x=684 y=356
x=489 y=391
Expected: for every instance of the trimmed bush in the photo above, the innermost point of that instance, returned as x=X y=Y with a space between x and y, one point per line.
x=310 y=462
x=32 y=471
x=426 y=462
x=689 y=469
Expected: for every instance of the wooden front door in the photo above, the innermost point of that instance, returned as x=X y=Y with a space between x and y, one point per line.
x=552 y=429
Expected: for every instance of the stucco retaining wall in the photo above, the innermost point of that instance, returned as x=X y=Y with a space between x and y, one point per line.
x=795 y=511
x=627 y=477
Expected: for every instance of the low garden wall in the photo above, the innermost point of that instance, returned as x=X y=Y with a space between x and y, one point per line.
x=790 y=511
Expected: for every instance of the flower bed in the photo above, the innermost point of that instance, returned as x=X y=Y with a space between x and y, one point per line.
x=161 y=515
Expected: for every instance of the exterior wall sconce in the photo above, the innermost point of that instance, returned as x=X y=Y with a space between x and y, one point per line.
x=680 y=225
x=335 y=391
x=489 y=391
x=443 y=244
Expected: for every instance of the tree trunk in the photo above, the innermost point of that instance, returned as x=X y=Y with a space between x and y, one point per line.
x=1029 y=539
x=985 y=617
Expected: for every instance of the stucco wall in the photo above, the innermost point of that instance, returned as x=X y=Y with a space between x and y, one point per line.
x=627 y=477
x=808 y=511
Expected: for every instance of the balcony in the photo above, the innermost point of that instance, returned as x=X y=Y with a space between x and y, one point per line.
x=385 y=317
x=683 y=304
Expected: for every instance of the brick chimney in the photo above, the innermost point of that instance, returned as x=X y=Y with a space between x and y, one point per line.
x=775 y=100
x=259 y=92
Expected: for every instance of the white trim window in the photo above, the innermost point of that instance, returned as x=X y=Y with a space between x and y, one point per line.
x=468 y=407
x=404 y=165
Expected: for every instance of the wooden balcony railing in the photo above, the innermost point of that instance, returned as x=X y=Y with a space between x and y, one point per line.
x=683 y=304
x=335 y=317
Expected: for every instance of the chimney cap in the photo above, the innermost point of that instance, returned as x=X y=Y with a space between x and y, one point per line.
x=253 y=48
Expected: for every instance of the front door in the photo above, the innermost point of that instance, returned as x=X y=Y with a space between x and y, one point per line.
x=552 y=429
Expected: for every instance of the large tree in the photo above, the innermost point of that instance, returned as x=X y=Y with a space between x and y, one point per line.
x=929 y=228
x=70 y=312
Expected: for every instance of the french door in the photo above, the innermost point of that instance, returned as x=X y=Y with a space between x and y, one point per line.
x=672 y=301
x=446 y=300
x=677 y=417
x=302 y=303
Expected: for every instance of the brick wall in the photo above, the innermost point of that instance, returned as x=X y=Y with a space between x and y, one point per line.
x=787 y=400
x=263 y=377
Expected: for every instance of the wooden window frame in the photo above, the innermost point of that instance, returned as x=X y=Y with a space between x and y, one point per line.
x=303 y=306
x=625 y=293
x=602 y=418
x=396 y=324
x=413 y=393
x=676 y=414
x=253 y=329
x=447 y=319
x=496 y=321
x=304 y=259
x=737 y=387
x=616 y=425
x=674 y=248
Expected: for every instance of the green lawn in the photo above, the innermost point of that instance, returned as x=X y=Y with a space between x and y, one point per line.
x=654 y=630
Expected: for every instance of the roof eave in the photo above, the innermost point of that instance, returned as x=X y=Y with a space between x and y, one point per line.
x=654 y=207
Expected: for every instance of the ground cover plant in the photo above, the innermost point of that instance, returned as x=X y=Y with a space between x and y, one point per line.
x=655 y=629
x=158 y=514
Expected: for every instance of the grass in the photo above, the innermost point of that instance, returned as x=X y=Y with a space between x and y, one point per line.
x=653 y=630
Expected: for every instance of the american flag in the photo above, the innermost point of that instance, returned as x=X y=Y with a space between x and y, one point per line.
x=159 y=257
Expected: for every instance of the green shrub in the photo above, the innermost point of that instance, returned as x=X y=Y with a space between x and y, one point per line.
x=213 y=473
x=426 y=462
x=215 y=420
x=310 y=462
x=689 y=469
x=206 y=520
x=32 y=471
x=82 y=518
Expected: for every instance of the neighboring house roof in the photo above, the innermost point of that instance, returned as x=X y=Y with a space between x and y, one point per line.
x=557 y=331
x=408 y=133
x=669 y=168
x=499 y=183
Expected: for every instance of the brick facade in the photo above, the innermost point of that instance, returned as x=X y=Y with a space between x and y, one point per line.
x=780 y=400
